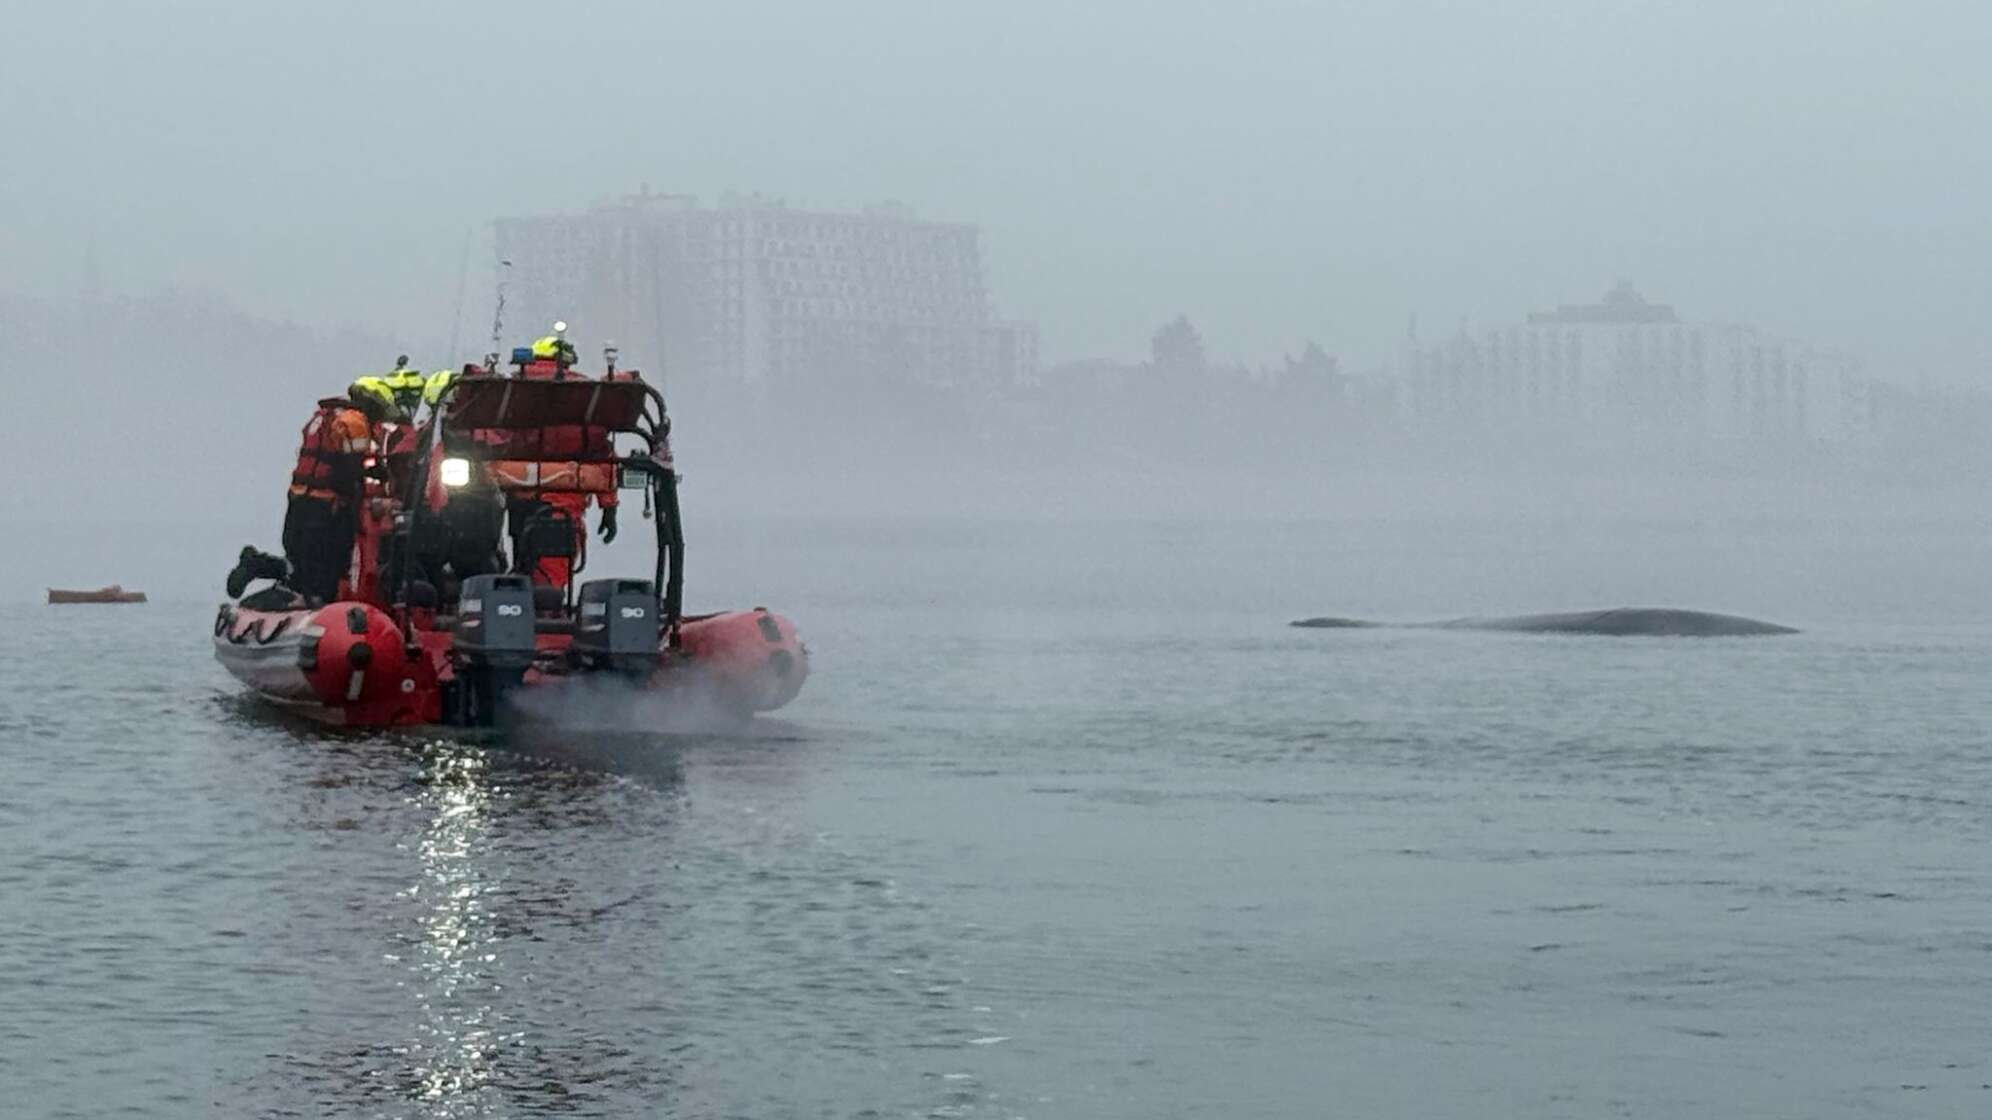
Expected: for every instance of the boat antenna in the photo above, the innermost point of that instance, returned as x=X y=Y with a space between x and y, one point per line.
x=498 y=315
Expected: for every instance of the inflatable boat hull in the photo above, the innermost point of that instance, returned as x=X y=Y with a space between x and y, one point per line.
x=348 y=663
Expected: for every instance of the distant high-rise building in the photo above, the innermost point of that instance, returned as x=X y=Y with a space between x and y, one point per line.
x=754 y=293
x=1625 y=369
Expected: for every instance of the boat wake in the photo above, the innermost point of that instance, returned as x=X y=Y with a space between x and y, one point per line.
x=690 y=703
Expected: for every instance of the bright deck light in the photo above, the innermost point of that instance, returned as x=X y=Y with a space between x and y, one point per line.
x=456 y=472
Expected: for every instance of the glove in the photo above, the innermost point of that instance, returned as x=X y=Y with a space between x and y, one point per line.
x=608 y=530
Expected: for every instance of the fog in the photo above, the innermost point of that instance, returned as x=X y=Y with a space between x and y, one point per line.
x=222 y=211
x=1037 y=364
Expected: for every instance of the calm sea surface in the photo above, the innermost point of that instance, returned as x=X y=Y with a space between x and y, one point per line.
x=1067 y=824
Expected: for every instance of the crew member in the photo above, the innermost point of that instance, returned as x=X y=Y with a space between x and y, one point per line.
x=406 y=384
x=325 y=491
x=525 y=507
x=432 y=389
x=555 y=348
x=393 y=436
x=436 y=383
x=553 y=360
x=457 y=534
x=460 y=529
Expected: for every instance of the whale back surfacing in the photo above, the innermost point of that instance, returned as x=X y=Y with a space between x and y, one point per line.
x=1666 y=622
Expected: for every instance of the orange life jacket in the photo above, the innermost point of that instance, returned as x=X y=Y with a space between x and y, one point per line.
x=331 y=458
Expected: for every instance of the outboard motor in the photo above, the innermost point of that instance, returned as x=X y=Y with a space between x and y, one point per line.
x=494 y=644
x=616 y=626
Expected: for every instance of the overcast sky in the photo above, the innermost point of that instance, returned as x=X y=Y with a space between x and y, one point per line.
x=1277 y=170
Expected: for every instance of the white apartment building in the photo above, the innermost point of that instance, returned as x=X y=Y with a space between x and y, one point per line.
x=1624 y=369
x=752 y=292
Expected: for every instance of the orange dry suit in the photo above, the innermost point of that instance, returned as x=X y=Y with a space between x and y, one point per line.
x=325 y=489
x=527 y=505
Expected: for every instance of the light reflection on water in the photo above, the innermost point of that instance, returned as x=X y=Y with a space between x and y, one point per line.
x=456 y=965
